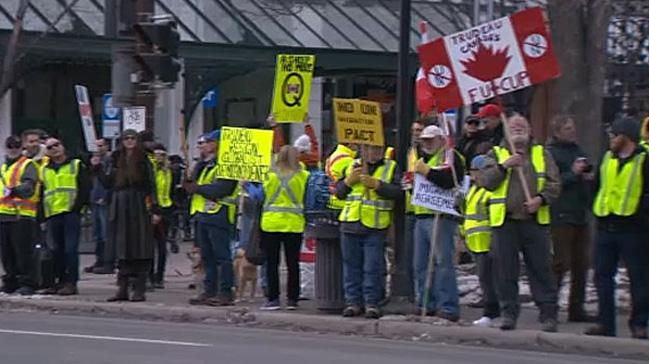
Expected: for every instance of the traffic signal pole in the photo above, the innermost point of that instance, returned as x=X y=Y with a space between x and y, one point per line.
x=401 y=283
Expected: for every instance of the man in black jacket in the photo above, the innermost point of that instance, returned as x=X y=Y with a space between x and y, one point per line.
x=569 y=226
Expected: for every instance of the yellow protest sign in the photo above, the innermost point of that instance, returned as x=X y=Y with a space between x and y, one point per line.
x=244 y=154
x=292 y=87
x=359 y=121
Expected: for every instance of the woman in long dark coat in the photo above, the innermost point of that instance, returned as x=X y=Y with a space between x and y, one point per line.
x=130 y=215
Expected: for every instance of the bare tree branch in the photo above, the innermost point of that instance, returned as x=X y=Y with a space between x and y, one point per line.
x=8 y=63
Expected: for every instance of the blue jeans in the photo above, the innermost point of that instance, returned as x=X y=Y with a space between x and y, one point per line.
x=99 y=216
x=216 y=255
x=363 y=267
x=64 y=230
x=443 y=294
x=633 y=249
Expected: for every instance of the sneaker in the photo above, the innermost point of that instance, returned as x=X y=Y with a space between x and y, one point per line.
x=352 y=311
x=549 y=325
x=372 y=312
x=8 y=289
x=90 y=268
x=598 y=330
x=158 y=285
x=25 y=291
x=68 y=289
x=291 y=305
x=202 y=299
x=270 y=306
x=483 y=321
x=453 y=317
x=509 y=323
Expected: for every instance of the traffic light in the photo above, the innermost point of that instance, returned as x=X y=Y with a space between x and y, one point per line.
x=157 y=51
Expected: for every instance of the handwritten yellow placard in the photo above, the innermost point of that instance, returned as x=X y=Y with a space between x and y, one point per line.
x=359 y=121
x=244 y=154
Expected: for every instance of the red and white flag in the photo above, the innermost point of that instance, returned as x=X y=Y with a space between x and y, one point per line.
x=494 y=58
x=423 y=91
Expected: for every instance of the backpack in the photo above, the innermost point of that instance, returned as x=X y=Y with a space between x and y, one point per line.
x=317 y=191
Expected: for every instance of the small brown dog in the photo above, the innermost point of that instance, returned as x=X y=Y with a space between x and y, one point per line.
x=244 y=272
x=198 y=271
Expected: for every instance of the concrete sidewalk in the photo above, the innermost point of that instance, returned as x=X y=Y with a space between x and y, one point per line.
x=170 y=304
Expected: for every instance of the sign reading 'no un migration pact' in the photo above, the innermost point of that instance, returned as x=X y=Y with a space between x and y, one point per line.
x=494 y=58
x=429 y=195
x=244 y=154
x=292 y=87
x=359 y=121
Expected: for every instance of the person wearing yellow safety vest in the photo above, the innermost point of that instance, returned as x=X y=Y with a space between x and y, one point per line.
x=18 y=210
x=477 y=236
x=406 y=184
x=335 y=167
x=33 y=146
x=164 y=187
x=369 y=187
x=520 y=224
x=621 y=207
x=65 y=191
x=282 y=223
x=213 y=208
x=443 y=299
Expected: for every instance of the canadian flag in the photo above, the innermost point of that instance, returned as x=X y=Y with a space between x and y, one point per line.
x=491 y=59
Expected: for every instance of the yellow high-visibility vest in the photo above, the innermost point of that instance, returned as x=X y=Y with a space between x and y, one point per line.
x=476 y=227
x=203 y=205
x=412 y=160
x=366 y=206
x=60 y=188
x=283 y=209
x=11 y=176
x=163 y=186
x=336 y=165
x=620 y=190
x=497 y=206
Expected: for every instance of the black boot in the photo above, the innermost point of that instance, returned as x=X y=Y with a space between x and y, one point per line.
x=139 y=288
x=122 y=289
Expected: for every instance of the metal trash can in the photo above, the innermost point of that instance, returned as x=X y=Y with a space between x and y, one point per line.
x=328 y=261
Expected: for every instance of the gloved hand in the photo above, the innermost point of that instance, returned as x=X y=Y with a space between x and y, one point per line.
x=422 y=168
x=370 y=182
x=354 y=177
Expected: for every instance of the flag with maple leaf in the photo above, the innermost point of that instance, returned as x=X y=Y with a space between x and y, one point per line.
x=491 y=59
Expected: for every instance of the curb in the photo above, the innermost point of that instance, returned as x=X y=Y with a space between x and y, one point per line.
x=390 y=329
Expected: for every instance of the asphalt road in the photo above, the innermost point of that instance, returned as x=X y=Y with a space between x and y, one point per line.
x=27 y=338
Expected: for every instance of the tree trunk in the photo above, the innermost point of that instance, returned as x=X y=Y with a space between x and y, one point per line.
x=7 y=78
x=579 y=30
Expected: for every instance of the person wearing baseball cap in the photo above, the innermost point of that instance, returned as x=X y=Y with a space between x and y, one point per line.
x=622 y=214
x=519 y=216
x=490 y=115
x=477 y=236
x=212 y=206
x=475 y=139
x=442 y=299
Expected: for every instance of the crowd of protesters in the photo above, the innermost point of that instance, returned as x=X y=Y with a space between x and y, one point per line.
x=525 y=200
